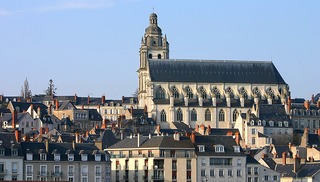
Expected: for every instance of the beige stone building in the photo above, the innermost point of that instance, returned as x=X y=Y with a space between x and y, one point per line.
x=153 y=158
x=211 y=92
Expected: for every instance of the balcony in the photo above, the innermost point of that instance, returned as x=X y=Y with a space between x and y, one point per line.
x=56 y=173
x=118 y=156
x=43 y=173
x=84 y=173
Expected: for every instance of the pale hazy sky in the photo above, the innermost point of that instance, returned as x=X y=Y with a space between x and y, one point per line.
x=91 y=47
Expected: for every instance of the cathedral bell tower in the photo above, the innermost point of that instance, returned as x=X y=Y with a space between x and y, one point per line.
x=153 y=46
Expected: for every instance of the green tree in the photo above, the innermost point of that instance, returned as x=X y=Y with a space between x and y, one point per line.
x=51 y=90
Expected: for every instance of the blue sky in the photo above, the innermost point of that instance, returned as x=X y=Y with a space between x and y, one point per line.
x=91 y=47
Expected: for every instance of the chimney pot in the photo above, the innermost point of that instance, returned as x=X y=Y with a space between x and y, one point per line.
x=284 y=158
x=17 y=135
x=193 y=137
x=307 y=104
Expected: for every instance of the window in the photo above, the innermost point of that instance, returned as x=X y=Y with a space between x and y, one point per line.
x=221 y=115
x=174 y=175
x=249 y=179
x=253 y=141
x=160 y=93
x=98 y=170
x=221 y=161
x=211 y=172
x=216 y=92
x=203 y=93
x=14 y=178
x=221 y=172
x=57 y=170
x=71 y=170
x=187 y=154
x=256 y=170
x=43 y=156
x=256 y=179
x=266 y=177
x=253 y=131
x=201 y=148
x=84 y=157
x=159 y=56
x=2 y=168
x=97 y=157
x=207 y=115
x=179 y=115
x=2 y=152
x=275 y=177
x=70 y=157
x=203 y=162
x=193 y=115
x=84 y=170
x=14 y=167
x=57 y=157
x=29 y=171
x=188 y=164
x=175 y=92
x=43 y=170
x=229 y=172
x=219 y=148
x=239 y=162
x=14 y=152
x=235 y=115
x=271 y=123
x=280 y=124
x=150 y=56
x=249 y=170
x=236 y=149
x=189 y=92
x=163 y=116
x=84 y=179
x=238 y=172
x=203 y=172
x=174 y=164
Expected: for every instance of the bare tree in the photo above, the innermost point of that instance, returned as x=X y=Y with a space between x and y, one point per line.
x=51 y=90
x=135 y=94
x=25 y=91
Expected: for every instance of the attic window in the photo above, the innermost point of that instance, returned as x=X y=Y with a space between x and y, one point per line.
x=259 y=122
x=2 y=152
x=286 y=124
x=97 y=157
x=29 y=156
x=84 y=157
x=43 y=156
x=280 y=124
x=271 y=123
x=201 y=148
x=252 y=122
x=70 y=157
x=219 y=148
x=57 y=157
x=236 y=149
x=14 y=152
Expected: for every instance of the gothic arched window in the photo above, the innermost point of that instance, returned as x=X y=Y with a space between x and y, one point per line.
x=229 y=91
x=163 y=116
x=175 y=92
x=235 y=115
x=256 y=92
x=203 y=92
x=179 y=115
x=221 y=115
x=159 y=56
x=160 y=93
x=243 y=92
x=207 y=116
x=270 y=93
x=189 y=92
x=193 y=115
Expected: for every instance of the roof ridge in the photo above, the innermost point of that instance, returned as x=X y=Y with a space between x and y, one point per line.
x=212 y=60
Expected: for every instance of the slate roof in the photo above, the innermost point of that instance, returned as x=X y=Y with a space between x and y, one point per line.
x=306 y=170
x=94 y=115
x=279 y=149
x=154 y=142
x=214 y=71
x=223 y=131
x=251 y=160
x=274 y=112
x=107 y=138
x=270 y=162
x=8 y=117
x=209 y=141
x=8 y=140
x=23 y=106
x=206 y=102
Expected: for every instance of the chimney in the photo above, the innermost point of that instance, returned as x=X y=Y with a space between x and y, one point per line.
x=19 y=99
x=297 y=163
x=31 y=110
x=197 y=128
x=97 y=126
x=50 y=109
x=176 y=136
x=103 y=99
x=131 y=111
x=17 y=135
x=121 y=135
x=158 y=128
x=305 y=138
x=122 y=99
x=289 y=104
x=119 y=122
x=39 y=112
x=202 y=129
x=46 y=129
x=307 y=104
x=237 y=137
x=145 y=110
x=47 y=145
x=103 y=126
x=88 y=99
x=312 y=99
x=290 y=145
x=14 y=119
x=264 y=155
x=188 y=134
x=75 y=98
x=140 y=139
x=87 y=133
x=318 y=104
x=82 y=107
x=57 y=104
x=284 y=158
x=73 y=145
x=77 y=137
x=1 y=98
x=208 y=132
x=193 y=137
x=319 y=132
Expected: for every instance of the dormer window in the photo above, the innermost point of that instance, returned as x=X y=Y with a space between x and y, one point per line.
x=259 y=122
x=29 y=156
x=70 y=157
x=251 y=122
x=236 y=149
x=280 y=124
x=201 y=148
x=84 y=157
x=286 y=124
x=97 y=157
x=14 y=152
x=264 y=122
x=271 y=123
x=57 y=157
x=43 y=156
x=219 y=148
x=2 y=152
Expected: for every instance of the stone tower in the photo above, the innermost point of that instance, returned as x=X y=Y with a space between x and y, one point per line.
x=153 y=46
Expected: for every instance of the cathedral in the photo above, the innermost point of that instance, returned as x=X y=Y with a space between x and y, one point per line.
x=209 y=92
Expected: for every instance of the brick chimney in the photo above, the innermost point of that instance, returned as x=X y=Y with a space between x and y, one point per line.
x=46 y=129
x=197 y=128
x=77 y=137
x=88 y=99
x=158 y=128
x=237 y=137
x=176 y=136
x=289 y=104
x=208 y=132
x=31 y=110
x=103 y=99
x=39 y=111
x=50 y=109
x=307 y=104
x=19 y=99
x=297 y=163
x=318 y=104
x=104 y=126
x=14 y=119
x=312 y=99
x=284 y=158
x=75 y=98
x=202 y=129
x=145 y=110
x=119 y=122
x=122 y=99
x=57 y=104
x=17 y=134
x=1 y=98
x=193 y=137
x=264 y=155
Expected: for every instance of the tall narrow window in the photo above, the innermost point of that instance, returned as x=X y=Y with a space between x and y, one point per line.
x=179 y=115
x=175 y=92
x=160 y=93
x=163 y=116
x=221 y=115
x=189 y=92
x=150 y=56
x=193 y=115
x=159 y=56
x=235 y=115
x=207 y=115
